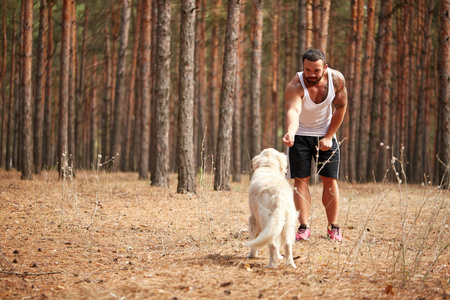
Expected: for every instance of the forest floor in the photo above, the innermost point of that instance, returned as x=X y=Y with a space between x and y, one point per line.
x=110 y=236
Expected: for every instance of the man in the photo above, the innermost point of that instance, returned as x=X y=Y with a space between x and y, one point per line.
x=311 y=125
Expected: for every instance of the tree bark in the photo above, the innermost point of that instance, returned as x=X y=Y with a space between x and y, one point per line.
x=186 y=162
x=145 y=87
x=120 y=84
x=162 y=92
x=40 y=87
x=27 y=133
x=374 y=135
x=444 y=91
x=48 y=158
x=4 y=115
x=72 y=111
x=223 y=158
x=255 y=87
x=302 y=32
x=238 y=100
x=9 y=123
x=213 y=86
x=383 y=162
x=324 y=20
x=275 y=72
x=200 y=84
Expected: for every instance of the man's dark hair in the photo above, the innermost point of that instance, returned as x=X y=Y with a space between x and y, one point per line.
x=314 y=55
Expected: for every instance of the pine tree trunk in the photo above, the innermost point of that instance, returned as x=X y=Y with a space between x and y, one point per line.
x=131 y=94
x=444 y=91
x=82 y=119
x=376 y=99
x=64 y=84
x=38 y=124
x=223 y=158
x=120 y=85
x=162 y=93
x=200 y=87
x=47 y=139
x=323 y=32
x=213 y=86
x=26 y=85
x=186 y=161
x=145 y=87
x=106 y=101
x=275 y=72
x=72 y=80
x=93 y=153
x=302 y=32
x=255 y=89
x=9 y=123
x=238 y=99
x=4 y=118
x=383 y=160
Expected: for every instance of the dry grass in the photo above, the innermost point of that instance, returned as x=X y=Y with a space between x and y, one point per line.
x=110 y=236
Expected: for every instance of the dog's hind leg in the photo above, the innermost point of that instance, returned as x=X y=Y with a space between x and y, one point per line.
x=288 y=254
x=274 y=254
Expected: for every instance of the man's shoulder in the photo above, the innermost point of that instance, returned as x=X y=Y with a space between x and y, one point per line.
x=338 y=79
x=294 y=86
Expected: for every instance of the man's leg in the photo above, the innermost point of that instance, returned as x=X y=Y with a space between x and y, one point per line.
x=302 y=199
x=330 y=198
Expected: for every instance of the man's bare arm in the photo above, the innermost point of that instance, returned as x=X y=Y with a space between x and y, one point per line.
x=292 y=103
x=340 y=105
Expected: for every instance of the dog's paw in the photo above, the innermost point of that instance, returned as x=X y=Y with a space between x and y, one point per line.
x=292 y=265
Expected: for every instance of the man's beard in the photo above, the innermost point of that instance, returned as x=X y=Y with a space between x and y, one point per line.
x=313 y=80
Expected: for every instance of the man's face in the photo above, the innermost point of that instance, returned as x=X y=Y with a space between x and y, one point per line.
x=313 y=71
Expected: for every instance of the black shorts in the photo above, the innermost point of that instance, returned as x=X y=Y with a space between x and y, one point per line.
x=305 y=149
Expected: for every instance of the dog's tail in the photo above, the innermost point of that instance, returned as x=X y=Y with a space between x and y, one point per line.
x=274 y=226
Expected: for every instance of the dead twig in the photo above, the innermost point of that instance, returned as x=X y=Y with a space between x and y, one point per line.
x=30 y=274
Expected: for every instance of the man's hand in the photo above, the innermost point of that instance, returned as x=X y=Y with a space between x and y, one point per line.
x=288 y=139
x=325 y=143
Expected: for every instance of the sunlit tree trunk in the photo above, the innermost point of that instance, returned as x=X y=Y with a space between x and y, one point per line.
x=120 y=85
x=324 y=21
x=26 y=86
x=186 y=161
x=160 y=176
x=223 y=157
x=238 y=100
x=255 y=87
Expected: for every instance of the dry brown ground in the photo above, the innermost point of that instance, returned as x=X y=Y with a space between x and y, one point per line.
x=110 y=236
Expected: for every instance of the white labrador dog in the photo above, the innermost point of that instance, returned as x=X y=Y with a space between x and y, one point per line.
x=273 y=217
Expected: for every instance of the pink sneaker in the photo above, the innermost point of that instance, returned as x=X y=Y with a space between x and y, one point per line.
x=302 y=234
x=334 y=233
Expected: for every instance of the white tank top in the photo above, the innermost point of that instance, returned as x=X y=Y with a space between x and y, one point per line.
x=315 y=118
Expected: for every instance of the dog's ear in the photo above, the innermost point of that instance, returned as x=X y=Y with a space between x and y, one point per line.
x=256 y=162
x=282 y=158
